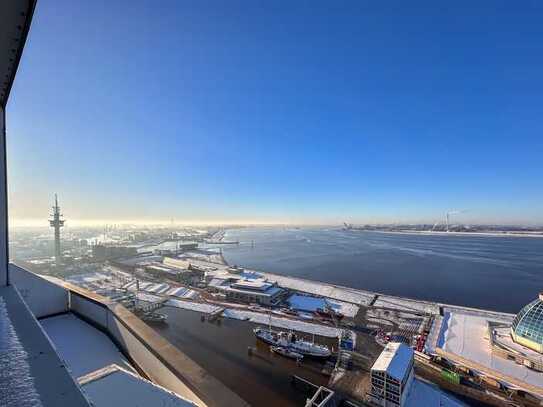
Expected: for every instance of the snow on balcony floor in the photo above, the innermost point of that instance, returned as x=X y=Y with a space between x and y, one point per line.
x=83 y=347
x=17 y=386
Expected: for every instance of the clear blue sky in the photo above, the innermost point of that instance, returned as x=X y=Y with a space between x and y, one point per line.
x=280 y=111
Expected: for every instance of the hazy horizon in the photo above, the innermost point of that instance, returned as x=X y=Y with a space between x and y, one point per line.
x=40 y=223
x=278 y=113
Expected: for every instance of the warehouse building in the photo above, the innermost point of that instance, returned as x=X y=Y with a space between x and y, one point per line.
x=392 y=375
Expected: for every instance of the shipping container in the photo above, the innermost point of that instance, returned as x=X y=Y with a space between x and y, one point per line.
x=450 y=376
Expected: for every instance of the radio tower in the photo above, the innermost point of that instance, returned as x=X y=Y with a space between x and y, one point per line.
x=56 y=222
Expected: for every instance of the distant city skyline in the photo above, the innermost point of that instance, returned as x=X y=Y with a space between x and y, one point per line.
x=277 y=113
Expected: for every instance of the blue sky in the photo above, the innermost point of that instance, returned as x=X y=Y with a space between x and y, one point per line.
x=313 y=112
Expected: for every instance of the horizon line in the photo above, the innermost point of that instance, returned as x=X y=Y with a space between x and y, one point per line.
x=40 y=222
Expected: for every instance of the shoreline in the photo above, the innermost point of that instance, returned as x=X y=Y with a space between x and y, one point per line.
x=370 y=298
x=434 y=233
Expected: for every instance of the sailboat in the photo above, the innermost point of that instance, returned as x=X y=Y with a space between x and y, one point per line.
x=291 y=342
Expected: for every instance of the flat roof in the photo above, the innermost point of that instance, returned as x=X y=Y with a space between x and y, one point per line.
x=83 y=347
x=271 y=291
x=306 y=302
x=114 y=387
x=257 y=285
x=395 y=359
x=425 y=394
x=466 y=336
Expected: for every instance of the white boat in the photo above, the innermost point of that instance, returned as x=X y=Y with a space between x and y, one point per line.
x=286 y=352
x=310 y=349
x=292 y=343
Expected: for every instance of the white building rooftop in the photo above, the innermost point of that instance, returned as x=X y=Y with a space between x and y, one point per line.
x=465 y=337
x=114 y=387
x=395 y=359
x=257 y=285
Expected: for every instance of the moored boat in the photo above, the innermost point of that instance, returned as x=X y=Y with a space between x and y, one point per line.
x=154 y=317
x=286 y=352
x=292 y=343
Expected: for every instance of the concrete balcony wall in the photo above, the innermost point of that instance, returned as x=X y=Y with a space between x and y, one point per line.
x=147 y=350
x=152 y=355
x=144 y=353
x=43 y=297
x=93 y=311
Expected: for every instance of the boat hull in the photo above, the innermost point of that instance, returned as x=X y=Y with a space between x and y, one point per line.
x=269 y=338
x=287 y=353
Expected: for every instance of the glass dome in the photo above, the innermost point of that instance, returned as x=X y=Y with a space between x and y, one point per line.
x=527 y=327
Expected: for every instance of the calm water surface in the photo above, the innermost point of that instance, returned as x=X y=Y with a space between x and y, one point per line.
x=499 y=273
x=262 y=379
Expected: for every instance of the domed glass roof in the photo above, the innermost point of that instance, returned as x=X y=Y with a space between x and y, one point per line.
x=528 y=323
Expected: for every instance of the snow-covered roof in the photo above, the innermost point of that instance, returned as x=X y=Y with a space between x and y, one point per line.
x=182 y=292
x=395 y=359
x=113 y=387
x=259 y=285
x=217 y=282
x=270 y=291
x=466 y=336
x=306 y=303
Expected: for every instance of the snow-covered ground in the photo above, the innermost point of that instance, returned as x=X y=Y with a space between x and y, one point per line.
x=306 y=303
x=283 y=323
x=345 y=308
x=351 y=295
x=405 y=304
x=193 y=306
x=259 y=318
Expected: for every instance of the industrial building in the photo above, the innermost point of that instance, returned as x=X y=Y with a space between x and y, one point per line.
x=238 y=287
x=102 y=252
x=255 y=291
x=393 y=382
x=180 y=270
x=392 y=375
